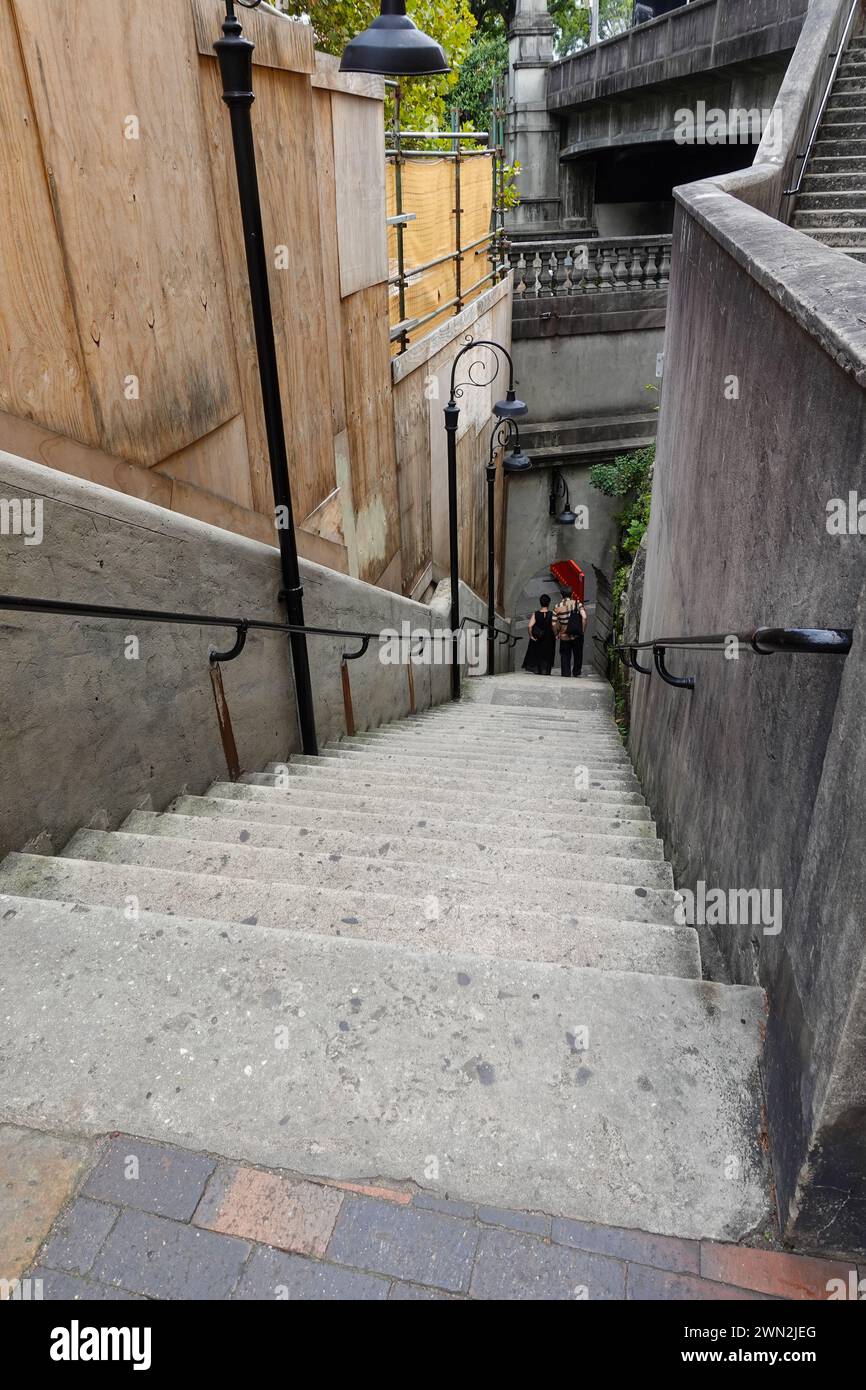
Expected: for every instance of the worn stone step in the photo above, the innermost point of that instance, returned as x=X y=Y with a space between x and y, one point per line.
x=432 y=787
x=610 y=805
x=837 y=181
x=552 y=771
x=839 y=236
x=498 y=811
x=838 y=126
x=851 y=98
x=488 y=741
x=513 y=932
x=335 y=770
x=828 y=217
x=539 y=722
x=852 y=82
x=844 y=200
x=611 y=1097
x=828 y=148
x=471 y=852
x=414 y=877
x=387 y=823
x=837 y=164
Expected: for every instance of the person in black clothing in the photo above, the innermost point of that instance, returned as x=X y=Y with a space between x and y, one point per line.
x=541 y=650
x=570 y=613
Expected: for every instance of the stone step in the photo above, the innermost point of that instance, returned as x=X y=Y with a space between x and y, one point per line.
x=835 y=182
x=850 y=99
x=844 y=200
x=837 y=164
x=856 y=253
x=610 y=1097
x=551 y=771
x=497 y=811
x=826 y=147
x=843 y=127
x=304 y=821
x=469 y=854
x=516 y=933
x=412 y=878
x=854 y=82
x=489 y=741
x=826 y=218
x=428 y=782
x=840 y=236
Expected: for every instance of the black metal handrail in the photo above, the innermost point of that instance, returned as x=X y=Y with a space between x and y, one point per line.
x=499 y=631
x=837 y=58
x=764 y=641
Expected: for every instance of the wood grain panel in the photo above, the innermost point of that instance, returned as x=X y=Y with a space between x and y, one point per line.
x=218 y=463
x=360 y=84
x=283 y=122
x=359 y=166
x=370 y=425
x=43 y=374
x=324 y=144
x=135 y=216
x=280 y=42
x=412 y=438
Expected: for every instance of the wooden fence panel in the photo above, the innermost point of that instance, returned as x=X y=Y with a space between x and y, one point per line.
x=135 y=217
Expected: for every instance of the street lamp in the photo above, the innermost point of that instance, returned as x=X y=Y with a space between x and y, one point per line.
x=394 y=47
x=509 y=409
x=559 y=489
x=235 y=56
x=514 y=462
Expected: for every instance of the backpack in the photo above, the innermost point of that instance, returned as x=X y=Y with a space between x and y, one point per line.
x=574 y=626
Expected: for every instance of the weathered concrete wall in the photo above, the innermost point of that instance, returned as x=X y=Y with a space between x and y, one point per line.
x=751 y=776
x=565 y=376
x=89 y=734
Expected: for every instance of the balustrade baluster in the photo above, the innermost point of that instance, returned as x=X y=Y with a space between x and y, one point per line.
x=651 y=270
x=536 y=268
x=665 y=268
x=635 y=270
x=520 y=287
x=605 y=274
x=620 y=270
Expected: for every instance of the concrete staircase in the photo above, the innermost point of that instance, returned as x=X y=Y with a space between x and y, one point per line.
x=438 y=952
x=832 y=203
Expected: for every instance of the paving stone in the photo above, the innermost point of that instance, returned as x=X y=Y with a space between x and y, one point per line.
x=39 y=1174
x=520 y=1267
x=272 y=1275
x=422 y=1247
x=662 y=1252
x=448 y=1205
x=533 y=1223
x=58 y=1285
x=387 y=1194
x=664 y=1285
x=416 y=1293
x=165 y=1181
x=163 y=1259
x=285 y=1212
x=769 y=1271
x=78 y=1236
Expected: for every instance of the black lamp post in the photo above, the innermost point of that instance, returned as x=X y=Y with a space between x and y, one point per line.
x=509 y=409
x=514 y=462
x=235 y=55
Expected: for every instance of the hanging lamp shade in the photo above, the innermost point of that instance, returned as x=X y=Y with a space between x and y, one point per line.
x=510 y=408
x=516 y=461
x=394 y=46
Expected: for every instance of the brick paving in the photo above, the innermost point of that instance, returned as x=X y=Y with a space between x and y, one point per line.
x=149 y=1221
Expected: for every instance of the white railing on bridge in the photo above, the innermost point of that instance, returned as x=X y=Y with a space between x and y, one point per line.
x=593 y=266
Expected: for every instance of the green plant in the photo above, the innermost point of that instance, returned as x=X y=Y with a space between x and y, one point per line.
x=629 y=476
x=486 y=60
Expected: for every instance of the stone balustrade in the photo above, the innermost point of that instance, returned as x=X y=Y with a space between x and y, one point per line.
x=545 y=269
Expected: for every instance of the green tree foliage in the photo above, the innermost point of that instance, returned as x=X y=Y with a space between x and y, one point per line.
x=570 y=17
x=426 y=101
x=486 y=60
x=629 y=476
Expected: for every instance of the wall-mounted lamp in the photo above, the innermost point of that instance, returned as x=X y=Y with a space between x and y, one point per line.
x=559 y=492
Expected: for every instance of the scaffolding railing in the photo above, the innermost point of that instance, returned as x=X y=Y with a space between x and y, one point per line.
x=457 y=147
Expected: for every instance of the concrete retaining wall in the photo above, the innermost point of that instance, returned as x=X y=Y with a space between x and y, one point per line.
x=752 y=776
x=89 y=734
